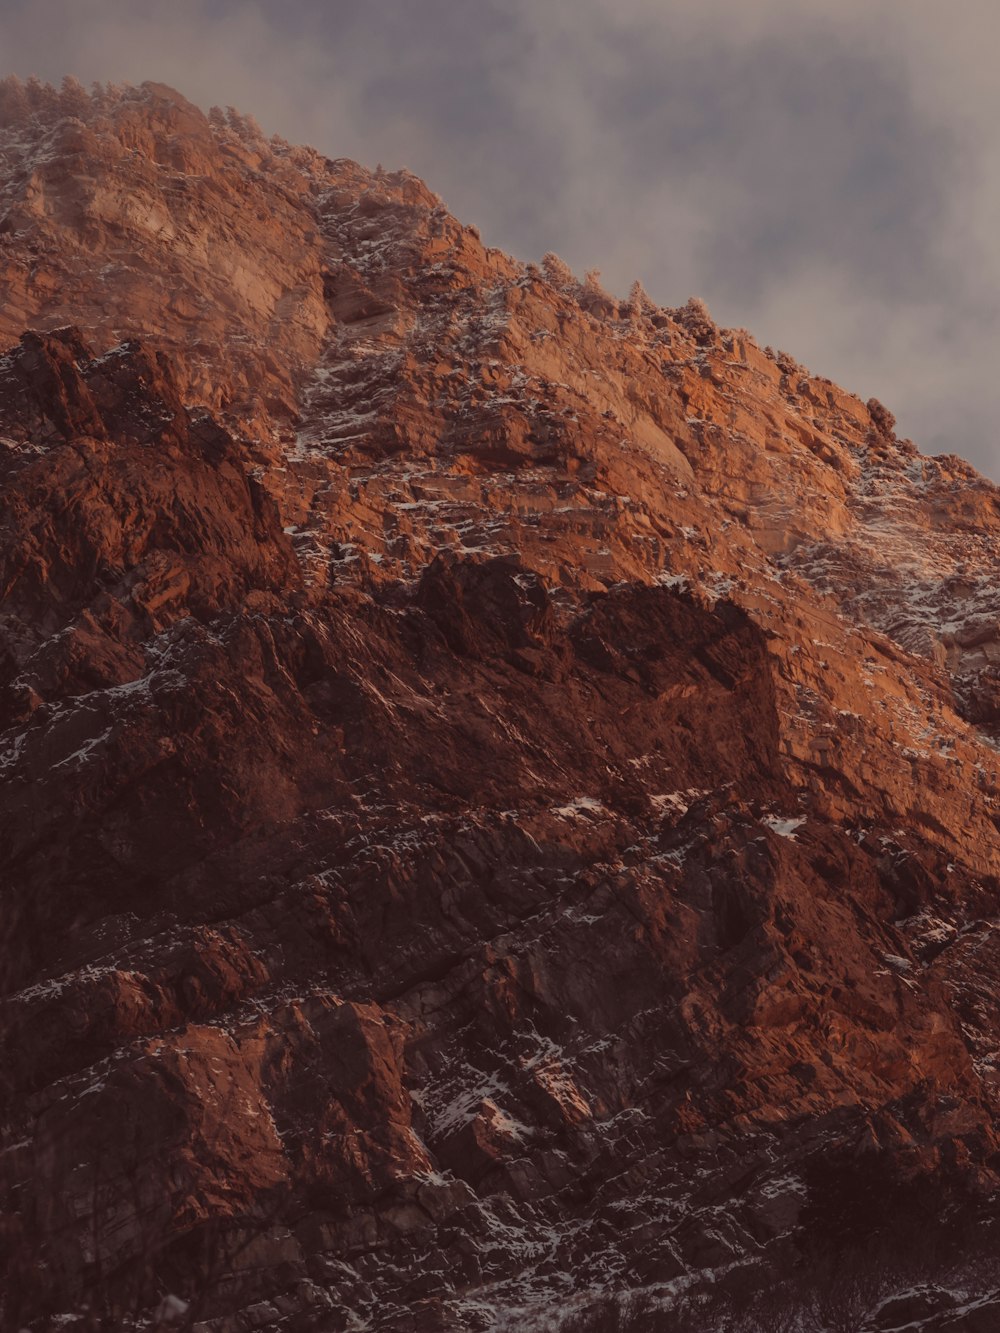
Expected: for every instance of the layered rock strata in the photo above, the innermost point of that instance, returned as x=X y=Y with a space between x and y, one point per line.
x=499 y=782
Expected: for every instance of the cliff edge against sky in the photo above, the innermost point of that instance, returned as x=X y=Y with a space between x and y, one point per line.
x=500 y=781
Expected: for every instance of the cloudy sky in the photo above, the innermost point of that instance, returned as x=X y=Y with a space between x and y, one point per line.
x=826 y=175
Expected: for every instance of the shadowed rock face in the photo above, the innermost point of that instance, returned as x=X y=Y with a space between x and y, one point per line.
x=499 y=783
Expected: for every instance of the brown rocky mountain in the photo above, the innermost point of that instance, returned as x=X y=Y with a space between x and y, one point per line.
x=499 y=803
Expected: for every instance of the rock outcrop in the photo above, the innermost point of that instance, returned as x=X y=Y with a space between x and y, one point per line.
x=499 y=783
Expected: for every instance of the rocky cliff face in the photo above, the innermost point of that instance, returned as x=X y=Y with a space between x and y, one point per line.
x=499 y=783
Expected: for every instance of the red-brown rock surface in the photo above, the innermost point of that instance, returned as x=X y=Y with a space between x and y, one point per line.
x=499 y=783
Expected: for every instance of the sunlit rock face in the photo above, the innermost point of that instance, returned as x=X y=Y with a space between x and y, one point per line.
x=499 y=782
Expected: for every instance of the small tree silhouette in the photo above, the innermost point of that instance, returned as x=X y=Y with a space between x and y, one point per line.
x=882 y=419
x=74 y=100
x=557 y=271
x=15 y=106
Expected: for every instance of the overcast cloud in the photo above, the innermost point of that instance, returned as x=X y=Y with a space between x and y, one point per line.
x=827 y=177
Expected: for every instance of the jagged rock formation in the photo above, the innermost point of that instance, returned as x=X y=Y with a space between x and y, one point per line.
x=499 y=783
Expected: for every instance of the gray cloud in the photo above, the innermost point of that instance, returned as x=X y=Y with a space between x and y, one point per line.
x=829 y=178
